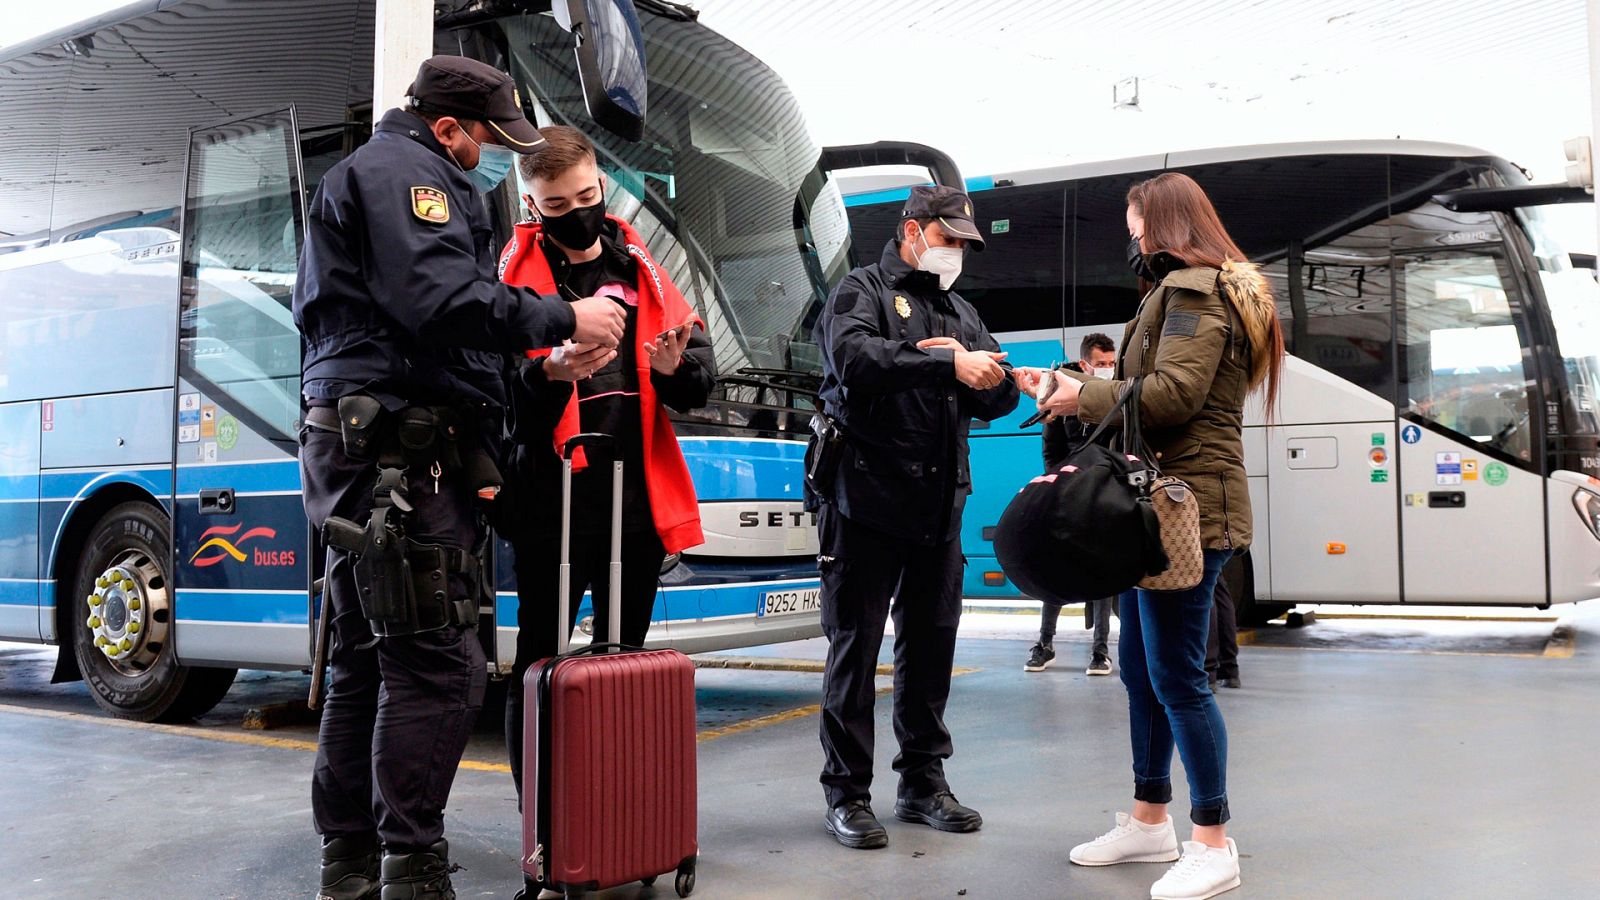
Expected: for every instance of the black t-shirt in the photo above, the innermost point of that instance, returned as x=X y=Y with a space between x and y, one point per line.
x=608 y=400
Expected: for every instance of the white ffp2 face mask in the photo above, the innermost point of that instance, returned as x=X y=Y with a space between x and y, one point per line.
x=1105 y=373
x=944 y=262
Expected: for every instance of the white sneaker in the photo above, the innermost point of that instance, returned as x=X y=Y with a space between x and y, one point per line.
x=1203 y=872
x=1131 y=841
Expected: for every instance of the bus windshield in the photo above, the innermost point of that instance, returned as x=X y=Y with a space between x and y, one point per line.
x=1574 y=301
x=725 y=188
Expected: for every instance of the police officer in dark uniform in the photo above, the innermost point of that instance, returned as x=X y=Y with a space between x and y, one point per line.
x=907 y=364
x=407 y=330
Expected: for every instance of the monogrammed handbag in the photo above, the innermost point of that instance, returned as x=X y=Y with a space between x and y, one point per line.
x=1179 y=513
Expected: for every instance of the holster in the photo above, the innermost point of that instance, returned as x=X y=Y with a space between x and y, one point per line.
x=404 y=586
x=823 y=453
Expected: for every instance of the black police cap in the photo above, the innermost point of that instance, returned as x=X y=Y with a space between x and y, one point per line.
x=950 y=207
x=468 y=89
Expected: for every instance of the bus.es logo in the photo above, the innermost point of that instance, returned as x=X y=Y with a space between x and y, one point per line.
x=222 y=542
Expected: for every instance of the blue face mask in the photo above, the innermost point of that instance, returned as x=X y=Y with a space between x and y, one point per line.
x=494 y=164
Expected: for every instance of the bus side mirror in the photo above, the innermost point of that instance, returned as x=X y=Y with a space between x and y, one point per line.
x=611 y=64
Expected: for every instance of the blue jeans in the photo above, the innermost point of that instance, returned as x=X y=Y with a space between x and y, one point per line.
x=1163 y=648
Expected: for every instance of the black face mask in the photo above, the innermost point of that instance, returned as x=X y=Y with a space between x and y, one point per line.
x=577 y=228
x=1136 y=261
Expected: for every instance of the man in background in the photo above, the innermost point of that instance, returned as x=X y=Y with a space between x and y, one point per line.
x=1097 y=356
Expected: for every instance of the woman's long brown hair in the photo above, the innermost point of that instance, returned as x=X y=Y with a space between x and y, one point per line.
x=1179 y=219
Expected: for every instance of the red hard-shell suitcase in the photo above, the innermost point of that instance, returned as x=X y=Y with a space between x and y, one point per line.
x=608 y=746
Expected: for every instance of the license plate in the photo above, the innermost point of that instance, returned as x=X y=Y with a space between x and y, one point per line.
x=788 y=603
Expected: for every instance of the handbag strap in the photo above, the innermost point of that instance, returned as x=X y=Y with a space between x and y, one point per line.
x=1132 y=434
x=1130 y=394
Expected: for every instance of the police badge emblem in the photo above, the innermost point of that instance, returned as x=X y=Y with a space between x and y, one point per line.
x=430 y=205
x=902 y=307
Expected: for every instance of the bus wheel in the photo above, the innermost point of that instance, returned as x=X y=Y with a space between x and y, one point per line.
x=121 y=619
x=1240 y=575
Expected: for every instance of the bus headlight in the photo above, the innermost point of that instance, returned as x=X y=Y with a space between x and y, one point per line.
x=1588 y=506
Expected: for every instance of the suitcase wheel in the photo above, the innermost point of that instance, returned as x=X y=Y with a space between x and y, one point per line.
x=648 y=882
x=684 y=883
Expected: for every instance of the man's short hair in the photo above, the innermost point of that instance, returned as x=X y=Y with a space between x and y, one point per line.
x=1096 y=341
x=564 y=147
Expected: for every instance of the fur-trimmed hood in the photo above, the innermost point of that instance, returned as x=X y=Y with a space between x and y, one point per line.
x=1246 y=288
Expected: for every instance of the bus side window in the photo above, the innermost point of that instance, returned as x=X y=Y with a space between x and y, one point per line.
x=1336 y=303
x=1463 y=342
x=1105 y=294
x=1018 y=283
x=242 y=232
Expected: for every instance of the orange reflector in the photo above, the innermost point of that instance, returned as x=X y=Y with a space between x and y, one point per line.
x=994 y=579
x=1335 y=548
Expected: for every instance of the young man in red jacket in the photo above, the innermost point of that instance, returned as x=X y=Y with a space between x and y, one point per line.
x=572 y=251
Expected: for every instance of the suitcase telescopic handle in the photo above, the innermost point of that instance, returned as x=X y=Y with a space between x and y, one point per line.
x=607 y=444
x=595 y=439
x=598 y=649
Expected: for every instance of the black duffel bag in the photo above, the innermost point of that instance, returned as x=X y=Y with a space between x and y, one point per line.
x=1085 y=530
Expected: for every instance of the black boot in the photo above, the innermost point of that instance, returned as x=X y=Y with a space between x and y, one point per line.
x=350 y=868
x=424 y=875
x=853 y=823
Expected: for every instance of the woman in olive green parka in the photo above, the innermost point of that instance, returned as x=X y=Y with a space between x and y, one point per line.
x=1204 y=337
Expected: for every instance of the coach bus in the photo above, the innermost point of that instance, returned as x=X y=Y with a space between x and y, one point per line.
x=154 y=168
x=1436 y=440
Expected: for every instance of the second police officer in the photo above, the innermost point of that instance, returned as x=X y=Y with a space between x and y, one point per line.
x=907 y=364
x=407 y=330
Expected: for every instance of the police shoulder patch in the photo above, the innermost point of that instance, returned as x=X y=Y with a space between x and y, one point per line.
x=430 y=205
x=1181 y=324
x=844 y=299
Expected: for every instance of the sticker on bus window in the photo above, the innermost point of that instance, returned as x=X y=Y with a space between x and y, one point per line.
x=188 y=434
x=227 y=432
x=1411 y=434
x=1377 y=439
x=1469 y=470
x=1495 y=474
x=1447 y=467
x=1380 y=476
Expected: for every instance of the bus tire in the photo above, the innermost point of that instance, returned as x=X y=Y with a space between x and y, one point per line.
x=1240 y=575
x=122 y=625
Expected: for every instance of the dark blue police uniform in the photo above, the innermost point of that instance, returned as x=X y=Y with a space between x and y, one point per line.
x=398 y=299
x=890 y=522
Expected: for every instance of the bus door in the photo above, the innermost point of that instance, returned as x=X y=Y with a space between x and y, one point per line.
x=239 y=530
x=1472 y=496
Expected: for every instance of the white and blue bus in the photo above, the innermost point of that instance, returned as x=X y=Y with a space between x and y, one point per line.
x=154 y=166
x=1438 y=440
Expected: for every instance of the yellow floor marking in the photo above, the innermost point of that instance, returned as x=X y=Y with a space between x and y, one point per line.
x=210 y=734
x=254 y=739
x=787 y=715
x=1421 y=617
x=770 y=664
x=1562 y=644
x=801 y=712
x=1402 y=650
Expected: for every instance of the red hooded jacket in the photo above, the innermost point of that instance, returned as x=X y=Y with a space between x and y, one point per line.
x=673 y=505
